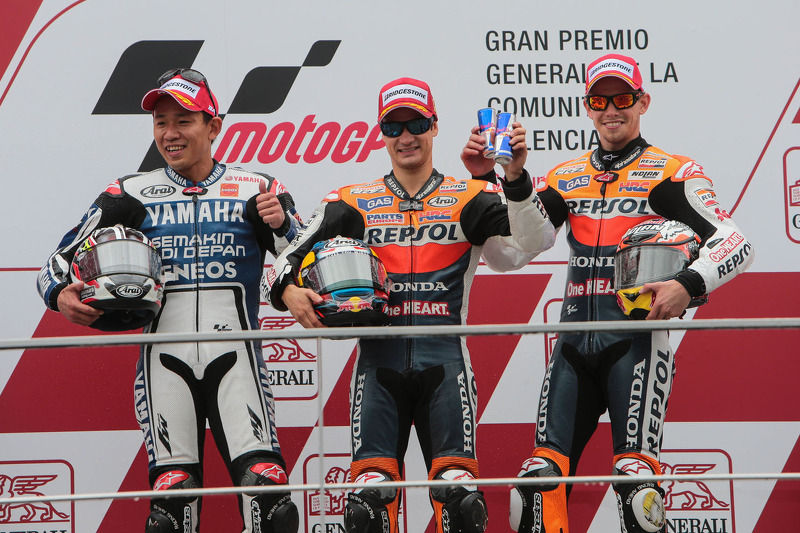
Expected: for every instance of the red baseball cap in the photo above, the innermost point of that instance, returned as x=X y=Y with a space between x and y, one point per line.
x=194 y=96
x=406 y=92
x=622 y=67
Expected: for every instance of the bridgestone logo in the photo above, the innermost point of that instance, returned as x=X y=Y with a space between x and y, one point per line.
x=407 y=90
x=611 y=64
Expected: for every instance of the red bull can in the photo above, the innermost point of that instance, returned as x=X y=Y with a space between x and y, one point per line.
x=487 y=122
x=502 y=140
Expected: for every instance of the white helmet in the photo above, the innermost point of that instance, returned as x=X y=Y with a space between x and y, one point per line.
x=121 y=271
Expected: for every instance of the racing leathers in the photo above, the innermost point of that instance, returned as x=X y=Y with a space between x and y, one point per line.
x=431 y=245
x=212 y=242
x=600 y=195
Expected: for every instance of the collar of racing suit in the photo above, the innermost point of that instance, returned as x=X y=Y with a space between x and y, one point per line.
x=414 y=203
x=616 y=159
x=216 y=173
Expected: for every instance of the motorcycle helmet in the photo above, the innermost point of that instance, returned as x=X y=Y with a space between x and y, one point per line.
x=121 y=271
x=352 y=281
x=655 y=250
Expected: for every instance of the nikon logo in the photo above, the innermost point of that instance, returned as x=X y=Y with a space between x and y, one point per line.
x=129 y=291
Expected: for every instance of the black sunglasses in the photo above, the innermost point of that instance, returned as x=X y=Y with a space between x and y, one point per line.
x=189 y=74
x=418 y=126
x=598 y=102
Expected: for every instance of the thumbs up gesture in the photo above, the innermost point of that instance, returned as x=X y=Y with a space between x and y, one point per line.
x=269 y=208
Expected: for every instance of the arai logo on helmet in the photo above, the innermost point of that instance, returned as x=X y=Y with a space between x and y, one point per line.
x=157 y=191
x=129 y=291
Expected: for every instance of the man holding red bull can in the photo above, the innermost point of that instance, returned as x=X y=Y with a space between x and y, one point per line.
x=602 y=194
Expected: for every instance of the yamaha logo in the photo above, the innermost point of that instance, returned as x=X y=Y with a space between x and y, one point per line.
x=157 y=191
x=129 y=291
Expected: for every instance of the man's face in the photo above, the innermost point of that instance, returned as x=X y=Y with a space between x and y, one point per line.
x=616 y=127
x=409 y=152
x=184 y=138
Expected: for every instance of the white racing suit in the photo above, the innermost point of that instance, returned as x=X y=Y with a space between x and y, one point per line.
x=212 y=244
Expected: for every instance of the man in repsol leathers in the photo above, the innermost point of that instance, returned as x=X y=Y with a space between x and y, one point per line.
x=600 y=195
x=429 y=231
x=213 y=226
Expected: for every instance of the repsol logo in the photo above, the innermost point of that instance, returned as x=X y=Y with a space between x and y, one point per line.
x=262 y=91
x=409 y=234
x=734 y=261
x=660 y=384
x=613 y=207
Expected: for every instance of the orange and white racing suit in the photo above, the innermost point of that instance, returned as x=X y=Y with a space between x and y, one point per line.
x=431 y=245
x=599 y=196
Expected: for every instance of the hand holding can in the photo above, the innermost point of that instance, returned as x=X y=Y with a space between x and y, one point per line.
x=487 y=122
x=503 y=154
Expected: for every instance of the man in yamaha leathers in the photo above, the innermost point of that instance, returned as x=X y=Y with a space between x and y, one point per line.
x=429 y=231
x=213 y=226
x=600 y=195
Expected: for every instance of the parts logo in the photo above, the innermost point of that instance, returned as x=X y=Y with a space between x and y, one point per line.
x=291 y=368
x=698 y=505
x=30 y=479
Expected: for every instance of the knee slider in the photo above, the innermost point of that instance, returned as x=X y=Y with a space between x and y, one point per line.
x=463 y=508
x=367 y=510
x=179 y=515
x=270 y=512
x=641 y=504
x=525 y=510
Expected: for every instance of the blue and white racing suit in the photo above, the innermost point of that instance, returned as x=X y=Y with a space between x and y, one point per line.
x=212 y=244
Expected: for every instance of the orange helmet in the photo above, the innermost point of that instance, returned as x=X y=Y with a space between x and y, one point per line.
x=655 y=250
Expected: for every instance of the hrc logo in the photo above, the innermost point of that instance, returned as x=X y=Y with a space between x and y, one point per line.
x=634 y=186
